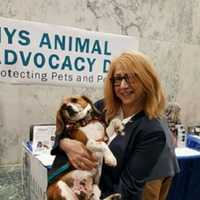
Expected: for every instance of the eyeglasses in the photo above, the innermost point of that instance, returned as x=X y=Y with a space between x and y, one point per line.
x=129 y=78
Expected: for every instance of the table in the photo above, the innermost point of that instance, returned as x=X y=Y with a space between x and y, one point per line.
x=186 y=184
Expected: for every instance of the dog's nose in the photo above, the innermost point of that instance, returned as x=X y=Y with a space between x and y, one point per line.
x=70 y=110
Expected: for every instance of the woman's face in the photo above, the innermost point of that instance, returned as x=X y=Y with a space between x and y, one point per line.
x=128 y=88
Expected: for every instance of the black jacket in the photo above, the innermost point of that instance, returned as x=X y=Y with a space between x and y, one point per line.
x=137 y=153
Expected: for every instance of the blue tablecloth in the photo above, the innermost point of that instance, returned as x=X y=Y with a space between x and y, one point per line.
x=186 y=184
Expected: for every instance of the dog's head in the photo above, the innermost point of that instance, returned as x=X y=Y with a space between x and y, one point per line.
x=73 y=109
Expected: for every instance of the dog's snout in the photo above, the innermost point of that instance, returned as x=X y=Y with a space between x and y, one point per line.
x=70 y=110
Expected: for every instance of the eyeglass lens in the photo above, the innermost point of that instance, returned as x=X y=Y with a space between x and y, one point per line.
x=118 y=79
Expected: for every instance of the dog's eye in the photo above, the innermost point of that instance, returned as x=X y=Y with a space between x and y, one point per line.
x=73 y=100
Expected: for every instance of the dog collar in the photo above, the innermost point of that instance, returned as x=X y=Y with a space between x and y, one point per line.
x=77 y=124
x=83 y=122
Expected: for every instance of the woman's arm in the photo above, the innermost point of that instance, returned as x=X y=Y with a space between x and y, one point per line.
x=76 y=152
x=142 y=160
x=78 y=155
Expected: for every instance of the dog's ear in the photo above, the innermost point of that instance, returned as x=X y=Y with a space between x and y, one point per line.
x=86 y=99
x=93 y=106
x=59 y=123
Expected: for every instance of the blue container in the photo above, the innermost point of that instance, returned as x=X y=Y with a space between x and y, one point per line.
x=193 y=141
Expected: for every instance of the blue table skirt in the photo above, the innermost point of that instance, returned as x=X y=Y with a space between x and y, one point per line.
x=186 y=184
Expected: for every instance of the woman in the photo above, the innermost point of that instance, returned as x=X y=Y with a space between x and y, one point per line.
x=134 y=94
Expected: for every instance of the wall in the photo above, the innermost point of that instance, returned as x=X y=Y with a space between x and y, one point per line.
x=168 y=31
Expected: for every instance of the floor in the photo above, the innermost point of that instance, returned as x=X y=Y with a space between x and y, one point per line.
x=10 y=183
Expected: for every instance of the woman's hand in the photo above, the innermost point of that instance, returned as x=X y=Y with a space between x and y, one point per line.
x=78 y=155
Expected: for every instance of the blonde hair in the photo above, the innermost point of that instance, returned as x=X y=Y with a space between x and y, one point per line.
x=135 y=63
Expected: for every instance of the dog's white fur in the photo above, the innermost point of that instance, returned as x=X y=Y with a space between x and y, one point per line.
x=115 y=128
x=66 y=191
x=81 y=112
x=94 y=130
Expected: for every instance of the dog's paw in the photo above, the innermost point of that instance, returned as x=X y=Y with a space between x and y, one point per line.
x=96 y=193
x=118 y=126
x=110 y=160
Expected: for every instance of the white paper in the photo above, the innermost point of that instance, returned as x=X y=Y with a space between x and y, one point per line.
x=186 y=152
x=43 y=138
x=45 y=159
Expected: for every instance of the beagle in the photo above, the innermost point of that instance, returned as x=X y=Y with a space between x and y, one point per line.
x=78 y=119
